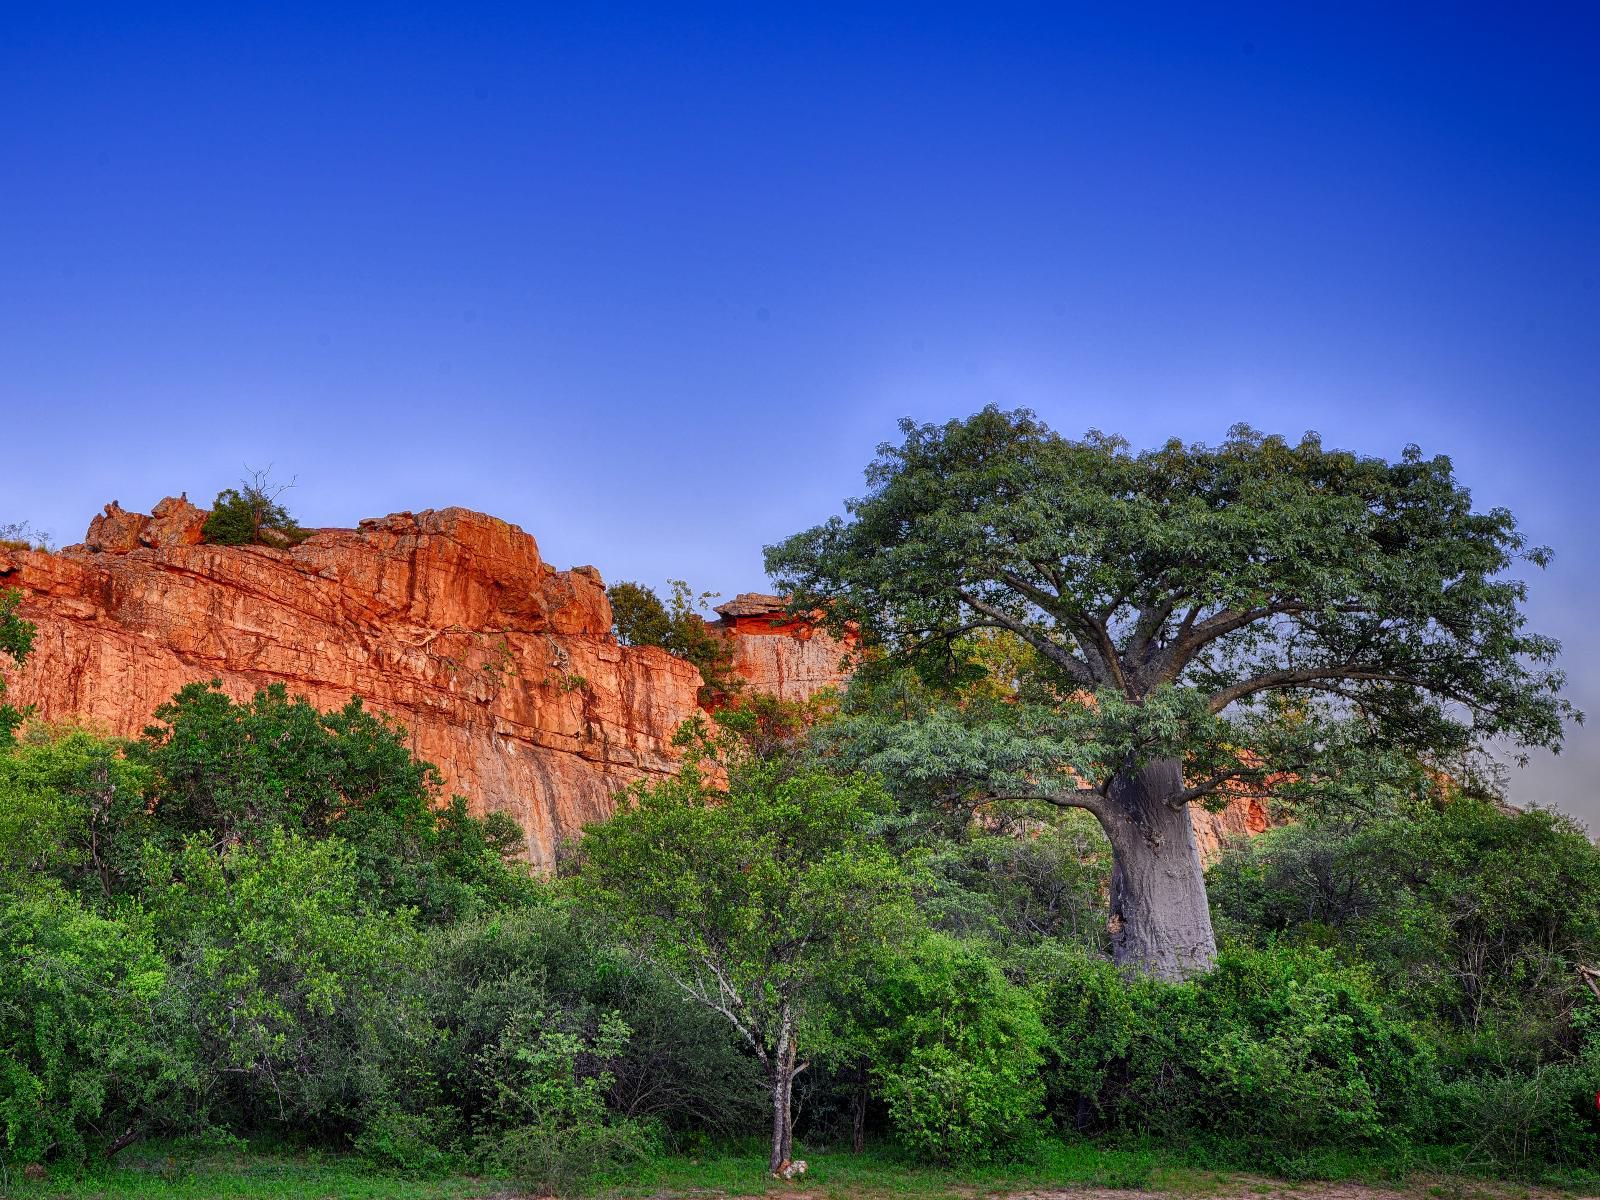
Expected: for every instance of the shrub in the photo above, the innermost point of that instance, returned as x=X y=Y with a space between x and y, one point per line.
x=1283 y=1049
x=1473 y=919
x=72 y=811
x=90 y=1043
x=1088 y=1013
x=679 y=1068
x=250 y=515
x=288 y=974
x=549 y=1127
x=1045 y=885
x=396 y=1139
x=20 y=535
x=956 y=1050
x=234 y=771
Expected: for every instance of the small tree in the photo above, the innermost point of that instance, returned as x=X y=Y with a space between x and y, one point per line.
x=1205 y=616
x=251 y=514
x=639 y=618
x=21 y=535
x=16 y=641
x=755 y=899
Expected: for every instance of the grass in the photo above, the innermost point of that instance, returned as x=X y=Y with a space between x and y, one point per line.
x=185 y=1173
x=881 y=1172
x=180 y=1172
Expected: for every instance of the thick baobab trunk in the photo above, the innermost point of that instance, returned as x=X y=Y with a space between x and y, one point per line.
x=1160 y=918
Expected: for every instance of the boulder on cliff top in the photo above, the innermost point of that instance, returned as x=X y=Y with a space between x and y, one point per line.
x=172 y=522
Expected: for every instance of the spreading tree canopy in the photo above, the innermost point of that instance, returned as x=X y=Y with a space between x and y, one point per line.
x=1206 y=617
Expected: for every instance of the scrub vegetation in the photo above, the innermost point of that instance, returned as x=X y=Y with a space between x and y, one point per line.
x=948 y=934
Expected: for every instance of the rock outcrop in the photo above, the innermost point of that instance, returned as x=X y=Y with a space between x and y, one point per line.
x=777 y=654
x=503 y=670
x=1244 y=817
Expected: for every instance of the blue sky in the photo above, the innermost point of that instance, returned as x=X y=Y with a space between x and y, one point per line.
x=652 y=281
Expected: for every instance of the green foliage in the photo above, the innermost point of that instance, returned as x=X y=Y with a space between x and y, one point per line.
x=1474 y=919
x=768 y=889
x=16 y=641
x=550 y=1086
x=286 y=973
x=72 y=812
x=86 y=1029
x=639 y=618
x=680 y=1067
x=1043 y=881
x=1283 y=1050
x=758 y=900
x=1234 y=570
x=956 y=1050
x=232 y=771
x=251 y=515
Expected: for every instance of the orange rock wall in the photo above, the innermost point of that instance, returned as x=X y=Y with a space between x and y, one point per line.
x=787 y=659
x=1244 y=817
x=502 y=669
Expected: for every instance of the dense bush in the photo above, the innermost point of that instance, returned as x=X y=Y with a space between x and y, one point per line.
x=1282 y=1048
x=679 y=1067
x=285 y=970
x=1473 y=919
x=234 y=771
x=89 y=1030
x=955 y=1050
x=250 y=514
x=1046 y=885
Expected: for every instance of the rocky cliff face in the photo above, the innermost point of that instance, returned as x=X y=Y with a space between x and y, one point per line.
x=777 y=655
x=502 y=669
x=1244 y=817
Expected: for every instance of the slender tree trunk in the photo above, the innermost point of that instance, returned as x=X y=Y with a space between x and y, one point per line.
x=1160 y=918
x=858 y=1111
x=788 y=1109
x=780 y=1075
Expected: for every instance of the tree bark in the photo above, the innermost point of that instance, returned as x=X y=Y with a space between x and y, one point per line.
x=788 y=1107
x=858 y=1108
x=1160 y=918
x=780 y=1074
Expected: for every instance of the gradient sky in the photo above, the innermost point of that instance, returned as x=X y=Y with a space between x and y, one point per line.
x=653 y=281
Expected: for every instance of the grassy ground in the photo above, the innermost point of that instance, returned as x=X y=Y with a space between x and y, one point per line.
x=1075 y=1171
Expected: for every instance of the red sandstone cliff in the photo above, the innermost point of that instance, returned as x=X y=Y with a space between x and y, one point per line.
x=503 y=669
x=776 y=654
x=1245 y=816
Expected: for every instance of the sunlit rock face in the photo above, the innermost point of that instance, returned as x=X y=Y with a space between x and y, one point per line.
x=777 y=654
x=503 y=670
x=1244 y=817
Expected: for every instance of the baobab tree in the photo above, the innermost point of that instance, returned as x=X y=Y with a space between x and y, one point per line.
x=1183 y=592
